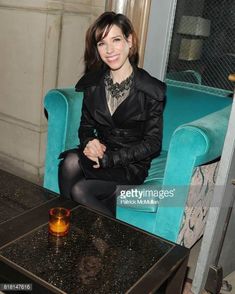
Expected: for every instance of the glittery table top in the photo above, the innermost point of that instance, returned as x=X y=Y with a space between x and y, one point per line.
x=99 y=255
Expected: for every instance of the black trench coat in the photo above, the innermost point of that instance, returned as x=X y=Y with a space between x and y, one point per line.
x=132 y=135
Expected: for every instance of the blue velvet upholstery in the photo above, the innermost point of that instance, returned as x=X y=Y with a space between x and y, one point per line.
x=195 y=124
x=64 y=112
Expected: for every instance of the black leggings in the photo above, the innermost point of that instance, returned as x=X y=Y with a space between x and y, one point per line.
x=96 y=194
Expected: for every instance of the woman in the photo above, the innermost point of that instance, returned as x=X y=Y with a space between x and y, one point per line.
x=121 y=124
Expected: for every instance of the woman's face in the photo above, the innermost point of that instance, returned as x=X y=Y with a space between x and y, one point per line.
x=114 y=49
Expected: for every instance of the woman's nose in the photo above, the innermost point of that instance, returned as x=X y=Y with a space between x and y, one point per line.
x=109 y=48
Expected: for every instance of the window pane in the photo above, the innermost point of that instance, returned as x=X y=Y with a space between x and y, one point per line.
x=203 y=43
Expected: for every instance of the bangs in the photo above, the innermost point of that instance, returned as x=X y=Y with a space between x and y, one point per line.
x=102 y=32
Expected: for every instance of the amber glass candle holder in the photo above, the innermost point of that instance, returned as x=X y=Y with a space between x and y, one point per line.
x=59 y=220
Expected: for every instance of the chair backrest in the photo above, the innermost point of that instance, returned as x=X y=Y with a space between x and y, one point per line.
x=188 y=102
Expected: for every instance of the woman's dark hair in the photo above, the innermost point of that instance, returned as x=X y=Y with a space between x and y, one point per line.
x=99 y=30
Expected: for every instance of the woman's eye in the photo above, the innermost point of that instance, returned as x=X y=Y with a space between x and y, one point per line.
x=117 y=39
x=100 y=44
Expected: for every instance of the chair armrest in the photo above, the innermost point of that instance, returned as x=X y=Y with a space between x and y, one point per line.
x=191 y=145
x=64 y=111
x=195 y=143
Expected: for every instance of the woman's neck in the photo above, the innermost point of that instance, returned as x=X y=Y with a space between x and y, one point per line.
x=120 y=75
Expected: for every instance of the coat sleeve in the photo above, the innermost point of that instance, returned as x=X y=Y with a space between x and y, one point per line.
x=150 y=146
x=86 y=131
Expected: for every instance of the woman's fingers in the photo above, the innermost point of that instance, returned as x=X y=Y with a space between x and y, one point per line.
x=90 y=152
x=103 y=147
x=96 y=160
x=94 y=148
x=97 y=147
x=97 y=165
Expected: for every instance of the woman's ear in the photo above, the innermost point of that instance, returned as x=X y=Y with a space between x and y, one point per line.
x=129 y=40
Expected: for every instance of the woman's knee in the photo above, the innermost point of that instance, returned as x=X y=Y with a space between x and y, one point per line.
x=70 y=162
x=79 y=194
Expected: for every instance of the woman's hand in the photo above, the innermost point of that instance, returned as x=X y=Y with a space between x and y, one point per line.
x=94 y=150
x=97 y=165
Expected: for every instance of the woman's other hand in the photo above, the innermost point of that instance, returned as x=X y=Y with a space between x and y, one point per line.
x=94 y=150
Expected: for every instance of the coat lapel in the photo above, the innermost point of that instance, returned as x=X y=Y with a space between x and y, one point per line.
x=102 y=112
x=130 y=108
x=97 y=105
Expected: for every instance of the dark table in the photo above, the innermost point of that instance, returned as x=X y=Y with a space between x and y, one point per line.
x=99 y=255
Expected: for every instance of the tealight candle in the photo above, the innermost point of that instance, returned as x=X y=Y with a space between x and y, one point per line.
x=59 y=221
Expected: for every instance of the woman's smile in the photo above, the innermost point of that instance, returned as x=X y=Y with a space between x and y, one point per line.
x=112 y=58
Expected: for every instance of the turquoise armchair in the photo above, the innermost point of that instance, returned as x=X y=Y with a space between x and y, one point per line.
x=195 y=124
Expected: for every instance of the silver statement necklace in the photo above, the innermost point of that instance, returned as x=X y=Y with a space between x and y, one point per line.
x=117 y=90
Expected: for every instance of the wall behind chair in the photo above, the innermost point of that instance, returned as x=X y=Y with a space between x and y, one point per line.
x=41 y=47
